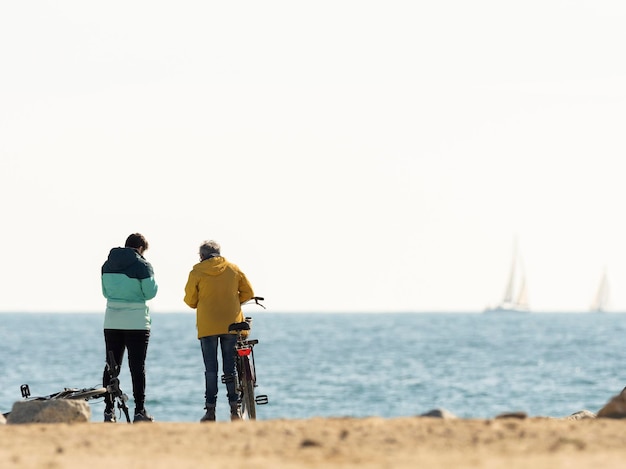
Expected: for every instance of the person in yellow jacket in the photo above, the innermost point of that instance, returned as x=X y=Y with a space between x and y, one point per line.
x=216 y=289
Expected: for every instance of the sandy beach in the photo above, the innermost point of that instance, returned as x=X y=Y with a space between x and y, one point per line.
x=320 y=442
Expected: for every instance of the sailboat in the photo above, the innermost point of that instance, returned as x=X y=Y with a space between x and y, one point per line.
x=601 y=300
x=515 y=299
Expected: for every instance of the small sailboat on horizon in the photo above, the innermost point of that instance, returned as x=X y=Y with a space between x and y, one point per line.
x=600 y=301
x=515 y=299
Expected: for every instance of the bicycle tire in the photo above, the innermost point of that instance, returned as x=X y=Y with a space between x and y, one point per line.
x=248 y=404
x=87 y=394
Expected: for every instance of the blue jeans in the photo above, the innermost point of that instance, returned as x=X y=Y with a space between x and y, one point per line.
x=209 y=353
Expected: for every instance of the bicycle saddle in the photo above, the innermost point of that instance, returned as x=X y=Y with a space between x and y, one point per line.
x=239 y=326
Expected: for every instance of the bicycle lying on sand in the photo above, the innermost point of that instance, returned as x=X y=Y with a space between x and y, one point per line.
x=88 y=394
x=244 y=361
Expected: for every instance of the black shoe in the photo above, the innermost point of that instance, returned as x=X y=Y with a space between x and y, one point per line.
x=110 y=416
x=142 y=416
x=235 y=412
x=209 y=416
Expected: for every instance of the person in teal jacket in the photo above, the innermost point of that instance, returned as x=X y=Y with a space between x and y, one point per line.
x=127 y=283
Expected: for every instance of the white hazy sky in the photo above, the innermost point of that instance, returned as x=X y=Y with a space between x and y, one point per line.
x=348 y=155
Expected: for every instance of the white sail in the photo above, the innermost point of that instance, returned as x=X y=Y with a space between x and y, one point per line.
x=522 y=296
x=515 y=298
x=601 y=300
x=510 y=286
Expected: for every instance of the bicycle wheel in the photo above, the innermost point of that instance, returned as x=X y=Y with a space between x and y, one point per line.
x=248 y=404
x=87 y=394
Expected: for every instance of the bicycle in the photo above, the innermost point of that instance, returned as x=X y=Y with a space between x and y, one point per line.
x=245 y=380
x=87 y=394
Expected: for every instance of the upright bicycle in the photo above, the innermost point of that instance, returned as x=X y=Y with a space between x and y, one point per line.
x=87 y=394
x=246 y=370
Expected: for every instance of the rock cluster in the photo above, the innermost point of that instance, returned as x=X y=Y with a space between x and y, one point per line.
x=615 y=408
x=73 y=411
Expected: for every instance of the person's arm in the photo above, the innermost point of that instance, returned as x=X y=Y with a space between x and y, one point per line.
x=149 y=288
x=104 y=290
x=147 y=282
x=245 y=289
x=191 y=292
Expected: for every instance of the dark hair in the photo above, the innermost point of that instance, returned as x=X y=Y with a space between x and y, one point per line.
x=136 y=241
x=209 y=249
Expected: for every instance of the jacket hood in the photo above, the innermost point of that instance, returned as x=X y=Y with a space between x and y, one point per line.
x=211 y=266
x=122 y=258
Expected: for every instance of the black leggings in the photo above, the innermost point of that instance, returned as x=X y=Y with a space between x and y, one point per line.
x=136 y=341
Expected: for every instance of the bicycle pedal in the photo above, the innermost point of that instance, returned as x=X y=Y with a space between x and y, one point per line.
x=261 y=399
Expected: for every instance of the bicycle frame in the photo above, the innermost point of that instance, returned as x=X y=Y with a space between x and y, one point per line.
x=245 y=381
x=86 y=394
x=114 y=386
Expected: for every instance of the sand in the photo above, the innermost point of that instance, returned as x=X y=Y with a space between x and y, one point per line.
x=320 y=442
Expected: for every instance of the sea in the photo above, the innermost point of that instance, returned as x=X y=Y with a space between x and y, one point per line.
x=342 y=365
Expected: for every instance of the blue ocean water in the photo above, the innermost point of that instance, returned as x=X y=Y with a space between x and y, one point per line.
x=328 y=365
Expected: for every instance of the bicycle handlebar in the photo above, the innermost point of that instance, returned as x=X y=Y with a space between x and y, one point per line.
x=256 y=300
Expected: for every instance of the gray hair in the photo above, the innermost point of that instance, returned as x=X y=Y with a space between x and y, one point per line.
x=209 y=249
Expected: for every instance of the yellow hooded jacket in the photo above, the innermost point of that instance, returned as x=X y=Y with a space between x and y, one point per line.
x=216 y=288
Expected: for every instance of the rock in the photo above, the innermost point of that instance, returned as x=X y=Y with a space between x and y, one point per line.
x=439 y=413
x=615 y=408
x=581 y=415
x=50 y=411
x=512 y=415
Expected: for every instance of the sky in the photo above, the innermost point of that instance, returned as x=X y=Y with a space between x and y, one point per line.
x=349 y=156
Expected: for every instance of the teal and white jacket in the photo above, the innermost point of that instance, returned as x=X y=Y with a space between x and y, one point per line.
x=127 y=283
